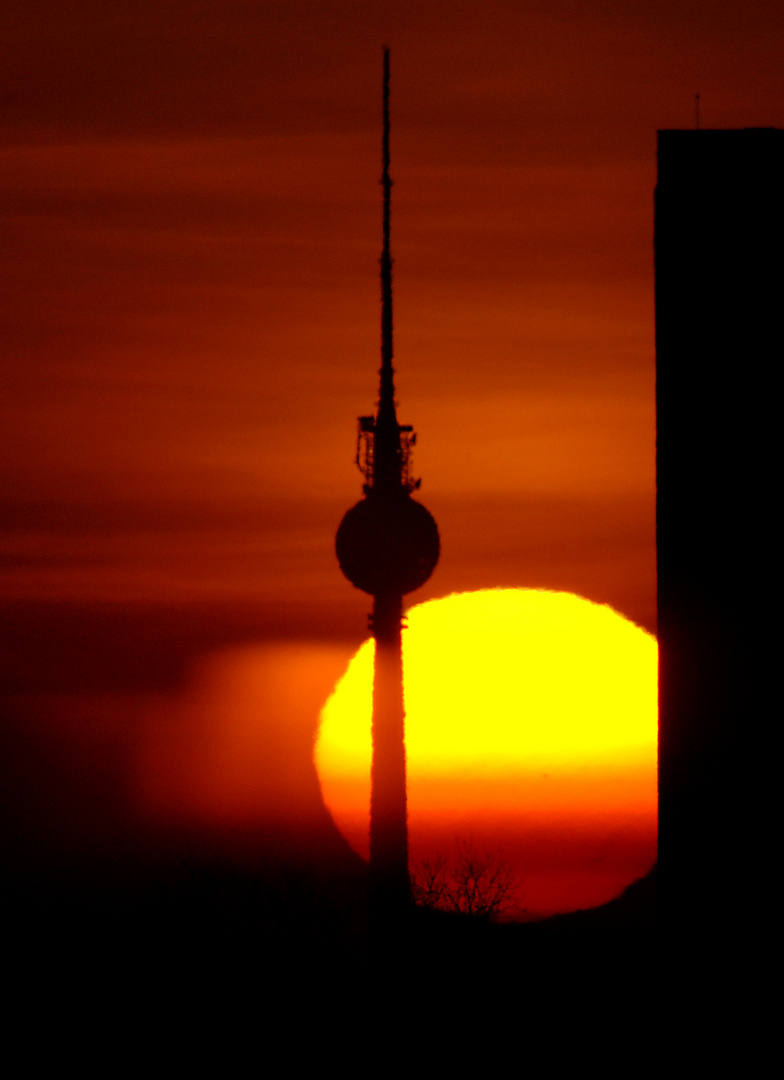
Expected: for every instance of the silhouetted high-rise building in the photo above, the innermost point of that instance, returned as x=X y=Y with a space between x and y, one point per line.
x=718 y=241
x=387 y=545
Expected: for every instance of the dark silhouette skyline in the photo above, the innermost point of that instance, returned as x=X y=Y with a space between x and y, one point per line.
x=187 y=304
x=718 y=237
x=387 y=545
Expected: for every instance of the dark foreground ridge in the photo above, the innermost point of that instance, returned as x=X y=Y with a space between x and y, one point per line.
x=206 y=930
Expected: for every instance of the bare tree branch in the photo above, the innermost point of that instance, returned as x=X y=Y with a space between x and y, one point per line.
x=482 y=885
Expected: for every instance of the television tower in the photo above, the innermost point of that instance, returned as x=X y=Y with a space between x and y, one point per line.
x=387 y=545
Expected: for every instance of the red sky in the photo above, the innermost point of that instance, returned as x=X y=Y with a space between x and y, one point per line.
x=190 y=303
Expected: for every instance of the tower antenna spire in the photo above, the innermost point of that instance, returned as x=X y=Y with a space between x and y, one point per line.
x=387 y=385
x=389 y=456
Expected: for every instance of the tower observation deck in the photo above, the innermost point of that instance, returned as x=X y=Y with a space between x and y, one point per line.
x=387 y=545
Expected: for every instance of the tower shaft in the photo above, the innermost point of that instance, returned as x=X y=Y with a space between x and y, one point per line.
x=389 y=878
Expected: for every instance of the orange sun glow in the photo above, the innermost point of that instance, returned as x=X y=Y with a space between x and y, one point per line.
x=531 y=729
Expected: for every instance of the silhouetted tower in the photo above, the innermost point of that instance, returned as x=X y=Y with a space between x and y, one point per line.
x=387 y=545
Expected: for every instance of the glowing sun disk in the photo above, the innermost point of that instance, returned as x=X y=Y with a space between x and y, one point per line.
x=523 y=708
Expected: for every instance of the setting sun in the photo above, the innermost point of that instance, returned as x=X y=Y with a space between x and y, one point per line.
x=531 y=727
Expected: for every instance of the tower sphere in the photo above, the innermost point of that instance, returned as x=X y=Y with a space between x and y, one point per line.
x=387 y=544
